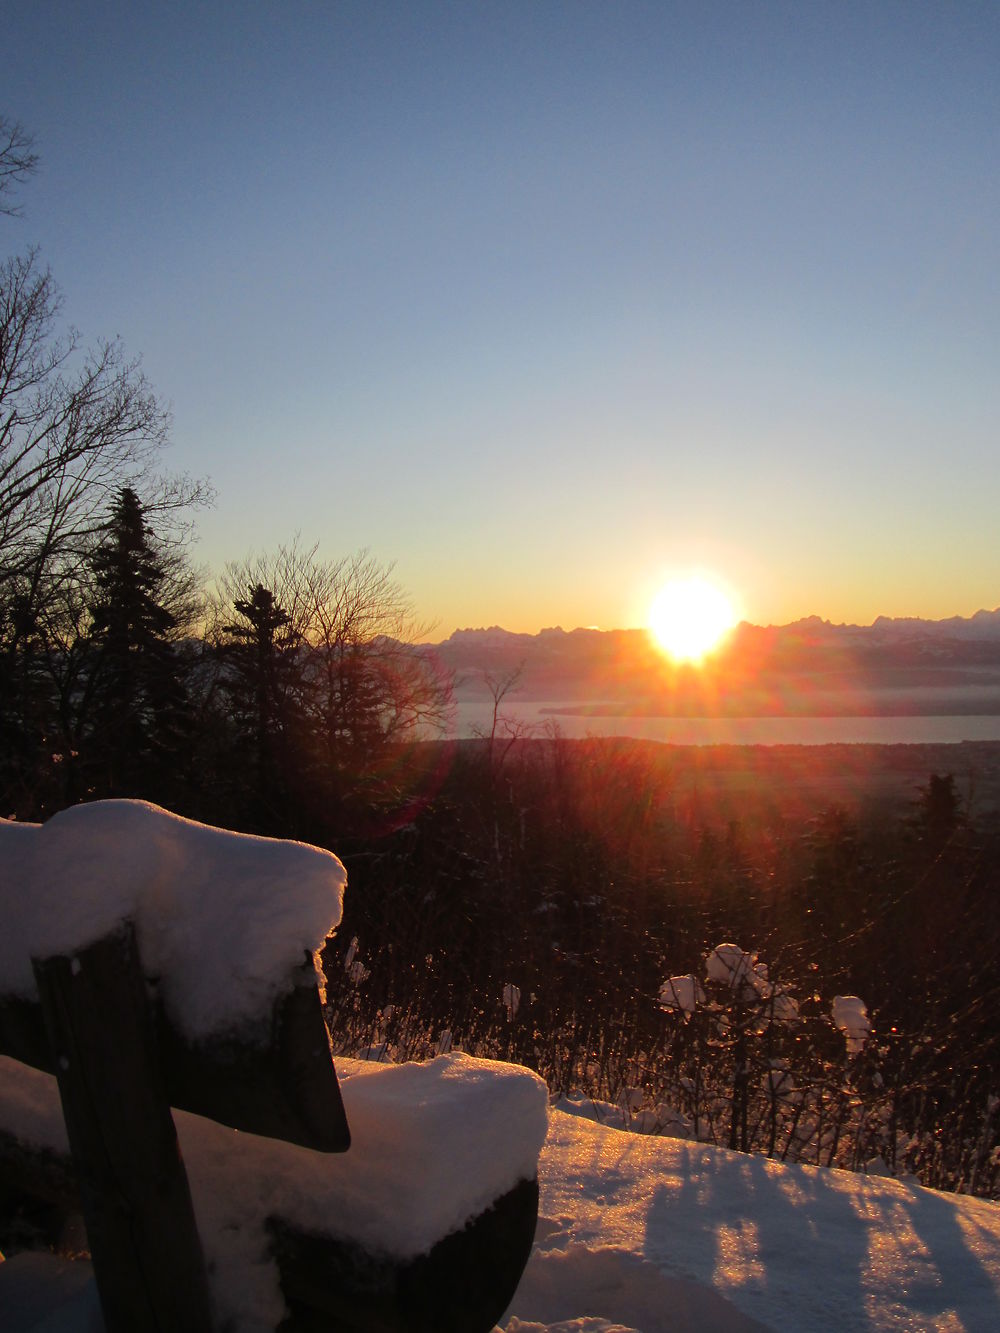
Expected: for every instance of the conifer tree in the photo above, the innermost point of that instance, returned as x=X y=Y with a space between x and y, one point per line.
x=135 y=697
x=326 y=688
x=261 y=669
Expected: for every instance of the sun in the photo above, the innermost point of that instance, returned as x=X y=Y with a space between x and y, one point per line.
x=690 y=616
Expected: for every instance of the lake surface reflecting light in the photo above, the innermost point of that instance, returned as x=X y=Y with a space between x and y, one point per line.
x=474 y=718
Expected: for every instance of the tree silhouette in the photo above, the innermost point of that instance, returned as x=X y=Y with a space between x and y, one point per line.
x=134 y=698
x=18 y=160
x=327 y=687
x=260 y=678
x=938 y=811
x=76 y=425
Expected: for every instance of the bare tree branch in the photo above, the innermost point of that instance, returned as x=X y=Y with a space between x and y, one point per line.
x=364 y=679
x=18 y=160
x=75 y=428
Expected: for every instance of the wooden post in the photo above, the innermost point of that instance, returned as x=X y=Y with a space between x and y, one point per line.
x=136 y=1201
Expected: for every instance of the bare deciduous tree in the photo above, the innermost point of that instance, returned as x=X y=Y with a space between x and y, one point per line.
x=76 y=425
x=74 y=428
x=505 y=730
x=18 y=160
x=358 y=681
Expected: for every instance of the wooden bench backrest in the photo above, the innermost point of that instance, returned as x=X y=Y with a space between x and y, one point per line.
x=283 y=1085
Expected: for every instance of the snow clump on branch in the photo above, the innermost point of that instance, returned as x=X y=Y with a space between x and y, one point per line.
x=850 y=1015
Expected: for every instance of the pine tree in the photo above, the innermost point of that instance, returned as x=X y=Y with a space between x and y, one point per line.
x=261 y=679
x=135 y=702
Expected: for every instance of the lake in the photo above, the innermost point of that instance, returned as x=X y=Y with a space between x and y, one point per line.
x=473 y=717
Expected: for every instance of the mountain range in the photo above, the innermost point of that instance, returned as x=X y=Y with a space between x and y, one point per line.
x=894 y=665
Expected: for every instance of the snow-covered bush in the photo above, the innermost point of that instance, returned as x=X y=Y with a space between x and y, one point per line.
x=760 y=1072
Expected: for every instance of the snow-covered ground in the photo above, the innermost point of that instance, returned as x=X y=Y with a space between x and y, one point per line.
x=635 y=1233
x=655 y=1234
x=651 y=1234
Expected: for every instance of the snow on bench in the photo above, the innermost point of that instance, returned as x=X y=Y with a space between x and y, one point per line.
x=439 y=1187
x=222 y=918
x=416 y=1171
x=228 y=929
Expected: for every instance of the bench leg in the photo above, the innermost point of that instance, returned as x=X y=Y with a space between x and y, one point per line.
x=136 y=1201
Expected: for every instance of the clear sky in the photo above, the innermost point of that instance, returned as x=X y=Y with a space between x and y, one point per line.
x=543 y=301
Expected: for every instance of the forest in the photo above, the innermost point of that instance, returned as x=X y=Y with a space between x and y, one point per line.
x=817 y=985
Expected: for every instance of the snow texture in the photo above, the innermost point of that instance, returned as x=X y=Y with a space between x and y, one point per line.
x=222 y=918
x=747 y=978
x=662 y=1236
x=636 y=1233
x=432 y=1145
x=641 y=1235
x=625 y=1114
x=511 y=1000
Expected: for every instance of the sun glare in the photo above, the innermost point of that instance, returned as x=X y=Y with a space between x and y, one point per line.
x=689 y=617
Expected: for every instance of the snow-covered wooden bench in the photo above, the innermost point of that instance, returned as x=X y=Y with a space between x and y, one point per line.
x=150 y=962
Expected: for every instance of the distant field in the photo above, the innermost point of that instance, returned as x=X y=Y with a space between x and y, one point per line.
x=747 y=781
x=715 y=784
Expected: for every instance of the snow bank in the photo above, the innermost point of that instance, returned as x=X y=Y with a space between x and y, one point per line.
x=659 y=1235
x=222 y=918
x=627 y=1114
x=432 y=1145
x=627 y=1293
x=43 y=1293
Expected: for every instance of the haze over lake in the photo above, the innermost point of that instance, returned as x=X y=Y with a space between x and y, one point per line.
x=538 y=718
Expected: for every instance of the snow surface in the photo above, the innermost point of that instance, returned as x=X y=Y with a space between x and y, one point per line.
x=652 y=1234
x=432 y=1145
x=222 y=918
x=655 y=1234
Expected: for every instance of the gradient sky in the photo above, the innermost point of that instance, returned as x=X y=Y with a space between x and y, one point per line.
x=544 y=301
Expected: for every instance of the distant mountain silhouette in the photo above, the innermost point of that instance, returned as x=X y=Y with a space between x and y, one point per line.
x=811 y=666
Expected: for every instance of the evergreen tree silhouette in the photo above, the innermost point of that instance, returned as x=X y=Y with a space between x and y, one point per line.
x=136 y=702
x=261 y=678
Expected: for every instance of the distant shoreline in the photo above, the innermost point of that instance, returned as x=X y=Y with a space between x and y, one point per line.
x=775 y=722
x=957 y=708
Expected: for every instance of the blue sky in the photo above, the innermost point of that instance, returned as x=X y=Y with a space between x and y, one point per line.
x=546 y=301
